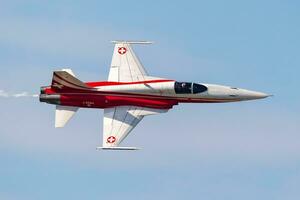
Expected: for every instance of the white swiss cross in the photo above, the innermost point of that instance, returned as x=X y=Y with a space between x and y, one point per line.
x=122 y=50
x=111 y=139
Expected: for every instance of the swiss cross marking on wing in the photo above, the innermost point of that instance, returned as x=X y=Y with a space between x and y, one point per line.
x=111 y=139
x=122 y=50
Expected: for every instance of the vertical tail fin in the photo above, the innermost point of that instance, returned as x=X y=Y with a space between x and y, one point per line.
x=65 y=80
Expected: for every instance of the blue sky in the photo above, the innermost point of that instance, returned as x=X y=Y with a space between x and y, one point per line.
x=247 y=150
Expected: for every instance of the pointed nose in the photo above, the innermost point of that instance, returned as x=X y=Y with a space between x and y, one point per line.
x=247 y=94
x=258 y=95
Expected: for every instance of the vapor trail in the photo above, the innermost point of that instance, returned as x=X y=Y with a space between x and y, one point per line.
x=16 y=95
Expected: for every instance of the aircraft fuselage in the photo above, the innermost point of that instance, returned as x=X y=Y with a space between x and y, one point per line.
x=156 y=93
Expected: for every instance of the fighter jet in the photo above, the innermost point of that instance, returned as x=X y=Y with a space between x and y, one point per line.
x=129 y=95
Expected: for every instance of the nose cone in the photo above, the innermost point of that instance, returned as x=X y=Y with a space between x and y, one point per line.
x=249 y=95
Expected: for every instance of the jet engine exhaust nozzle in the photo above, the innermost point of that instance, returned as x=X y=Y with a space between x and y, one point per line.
x=51 y=99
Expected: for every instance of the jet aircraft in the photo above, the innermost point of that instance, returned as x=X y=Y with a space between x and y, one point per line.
x=129 y=95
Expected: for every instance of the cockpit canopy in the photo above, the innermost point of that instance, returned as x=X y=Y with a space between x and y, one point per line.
x=189 y=88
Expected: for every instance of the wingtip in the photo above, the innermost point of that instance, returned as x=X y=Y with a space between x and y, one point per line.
x=118 y=148
x=132 y=41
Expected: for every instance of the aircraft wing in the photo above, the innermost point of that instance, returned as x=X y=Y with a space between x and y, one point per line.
x=125 y=65
x=119 y=121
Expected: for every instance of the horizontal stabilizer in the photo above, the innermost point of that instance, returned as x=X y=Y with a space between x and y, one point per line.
x=63 y=114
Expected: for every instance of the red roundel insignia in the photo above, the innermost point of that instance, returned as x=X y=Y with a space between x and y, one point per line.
x=111 y=139
x=122 y=50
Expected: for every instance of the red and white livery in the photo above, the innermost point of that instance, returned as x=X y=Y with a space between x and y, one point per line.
x=129 y=95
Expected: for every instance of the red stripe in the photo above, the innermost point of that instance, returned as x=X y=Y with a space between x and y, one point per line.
x=109 y=83
x=181 y=99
